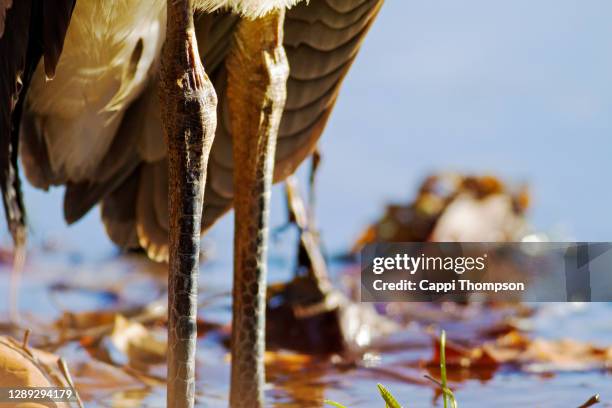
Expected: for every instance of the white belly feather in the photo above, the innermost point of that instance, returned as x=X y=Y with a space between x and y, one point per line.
x=80 y=109
x=247 y=8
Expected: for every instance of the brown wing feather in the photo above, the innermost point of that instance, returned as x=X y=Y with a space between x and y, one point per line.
x=142 y=123
x=4 y=6
x=29 y=30
x=56 y=18
x=120 y=162
x=322 y=40
x=120 y=219
x=152 y=194
x=13 y=62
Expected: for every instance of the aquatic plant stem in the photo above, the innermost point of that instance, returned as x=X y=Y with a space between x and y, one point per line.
x=443 y=366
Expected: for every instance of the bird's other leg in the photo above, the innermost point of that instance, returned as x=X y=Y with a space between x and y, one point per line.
x=188 y=104
x=257 y=79
x=309 y=255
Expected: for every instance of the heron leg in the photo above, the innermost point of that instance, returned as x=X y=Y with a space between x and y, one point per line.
x=188 y=103
x=257 y=78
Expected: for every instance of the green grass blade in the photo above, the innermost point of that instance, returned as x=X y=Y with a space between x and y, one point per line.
x=446 y=392
x=443 y=366
x=451 y=396
x=388 y=397
x=334 y=404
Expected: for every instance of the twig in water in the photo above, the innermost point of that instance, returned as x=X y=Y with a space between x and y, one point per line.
x=26 y=338
x=591 y=401
x=64 y=369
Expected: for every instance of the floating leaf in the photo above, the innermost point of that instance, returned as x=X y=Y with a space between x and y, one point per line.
x=537 y=355
x=135 y=343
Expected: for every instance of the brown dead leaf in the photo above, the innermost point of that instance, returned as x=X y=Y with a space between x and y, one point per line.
x=134 y=344
x=289 y=360
x=453 y=207
x=464 y=357
x=538 y=355
x=85 y=320
x=97 y=379
x=24 y=366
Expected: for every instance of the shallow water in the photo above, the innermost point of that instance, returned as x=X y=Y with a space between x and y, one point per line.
x=56 y=282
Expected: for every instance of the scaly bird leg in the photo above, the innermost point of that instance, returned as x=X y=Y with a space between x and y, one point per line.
x=188 y=103
x=257 y=79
